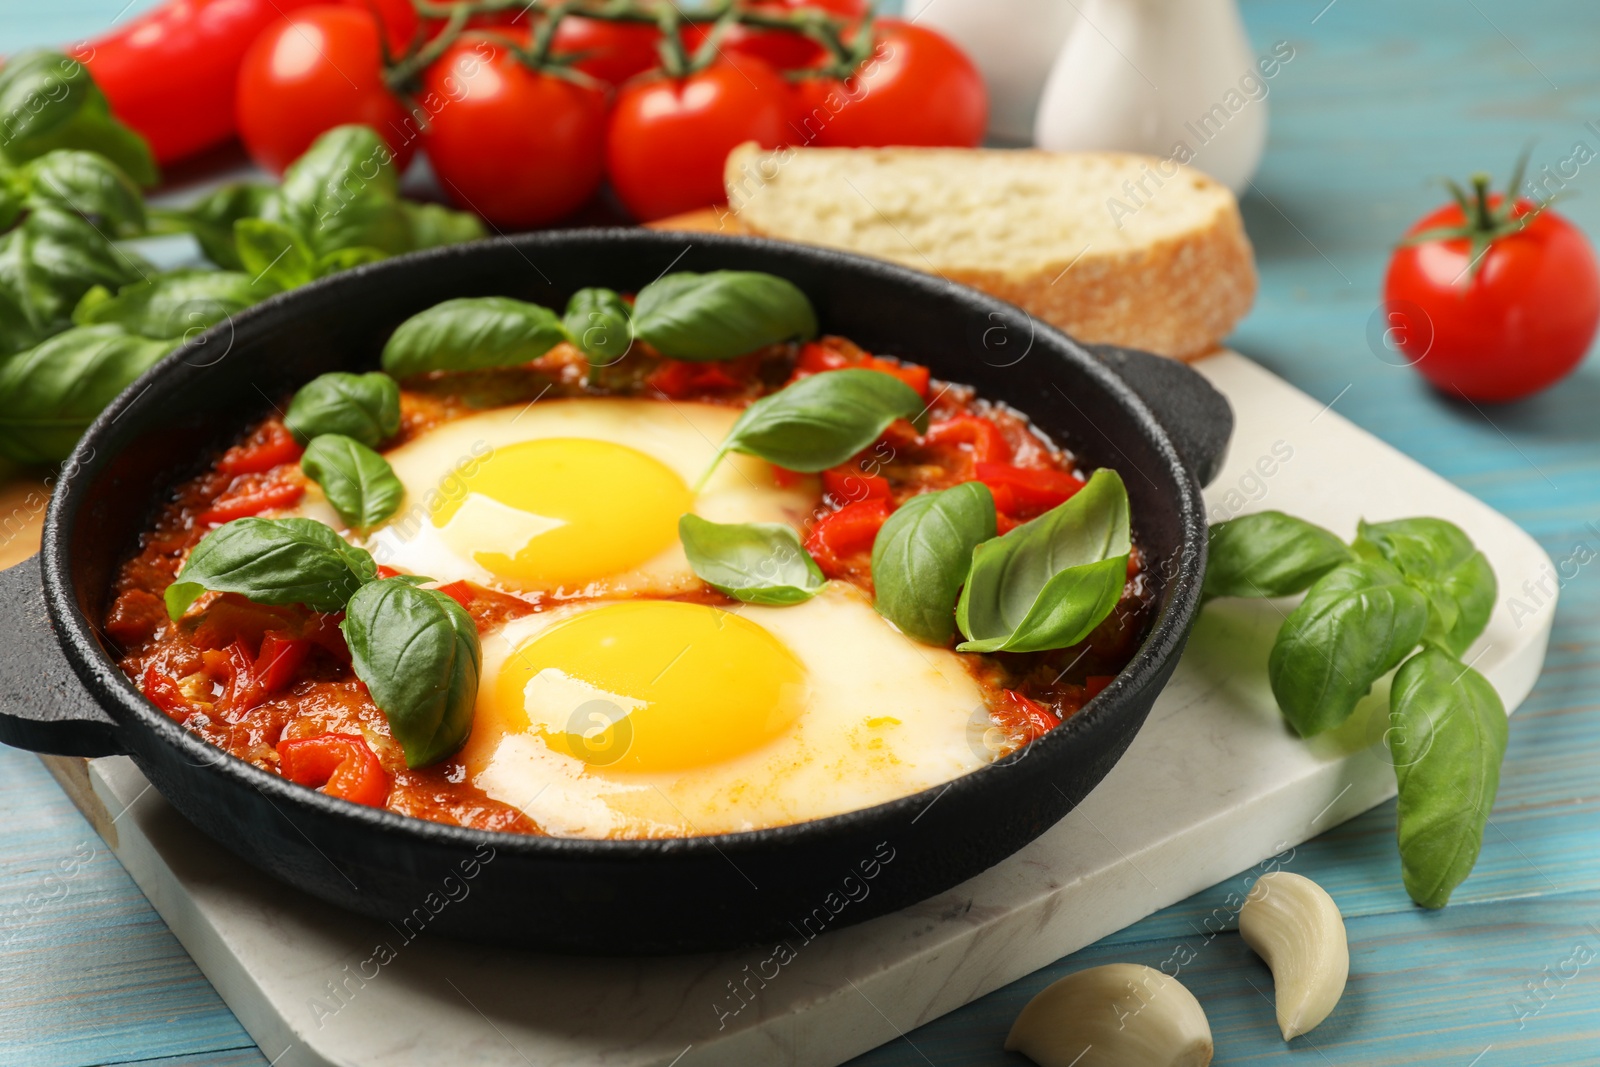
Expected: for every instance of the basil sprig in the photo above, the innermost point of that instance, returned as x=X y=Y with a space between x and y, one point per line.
x=472 y=333
x=210 y=219
x=343 y=193
x=1049 y=582
x=821 y=421
x=417 y=651
x=365 y=407
x=1270 y=554
x=273 y=561
x=83 y=183
x=1403 y=583
x=720 y=315
x=922 y=554
x=756 y=562
x=358 y=482
x=599 y=323
x=50 y=393
x=1444 y=565
x=1447 y=737
x=48 y=261
x=50 y=102
x=170 y=306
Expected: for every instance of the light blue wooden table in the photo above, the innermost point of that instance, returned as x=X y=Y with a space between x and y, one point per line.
x=1379 y=99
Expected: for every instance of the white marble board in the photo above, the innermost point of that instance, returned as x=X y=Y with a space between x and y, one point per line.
x=1213 y=784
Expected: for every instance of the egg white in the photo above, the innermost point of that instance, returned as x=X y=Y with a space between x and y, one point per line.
x=883 y=717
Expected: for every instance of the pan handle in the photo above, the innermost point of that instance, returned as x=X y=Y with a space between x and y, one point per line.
x=43 y=705
x=1197 y=418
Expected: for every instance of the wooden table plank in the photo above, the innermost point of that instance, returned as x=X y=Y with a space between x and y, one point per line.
x=1376 y=102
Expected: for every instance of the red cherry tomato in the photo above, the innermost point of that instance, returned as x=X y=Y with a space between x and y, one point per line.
x=515 y=145
x=1518 y=322
x=781 y=49
x=616 y=50
x=170 y=72
x=917 y=88
x=669 y=136
x=319 y=69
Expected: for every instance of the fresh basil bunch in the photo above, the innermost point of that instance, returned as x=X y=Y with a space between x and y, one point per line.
x=415 y=649
x=1367 y=607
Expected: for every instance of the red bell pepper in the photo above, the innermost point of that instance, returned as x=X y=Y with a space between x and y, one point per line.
x=676 y=379
x=340 y=765
x=848 y=485
x=252 y=501
x=979 y=436
x=272 y=446
x=848 y=532
x=1021 y=716
x=816 y=358
x=460 y=592
x=161 y=689
x=241 y=689
x=1031 y=491
x=171 y=72
x=280 y=658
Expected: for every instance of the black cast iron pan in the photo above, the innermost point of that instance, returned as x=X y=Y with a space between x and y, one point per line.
x=1159 y=423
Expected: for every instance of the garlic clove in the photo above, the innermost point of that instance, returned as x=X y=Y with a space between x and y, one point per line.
x=1293 y=924
x=1118 y=1015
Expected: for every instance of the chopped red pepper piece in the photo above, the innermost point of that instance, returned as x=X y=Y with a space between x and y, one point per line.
x=253 y=501
x=816 y=358
x=981 y=437
x=280 y=658
x=847 y=485
x=1023 y=717
x=676 y=379
x=271 y=446
x=1031 y=491
x=847 y=532
x=340 y=765
x=242 y=690
x=161 y=689
x=460 y=592
x=913 y=374
x=387 y=572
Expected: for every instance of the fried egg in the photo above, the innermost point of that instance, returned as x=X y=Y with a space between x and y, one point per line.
x=577 y=496
x=661 y=718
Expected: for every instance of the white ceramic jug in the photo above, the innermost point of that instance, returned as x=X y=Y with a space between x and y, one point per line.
x=1013 y=42
x=1173 y=78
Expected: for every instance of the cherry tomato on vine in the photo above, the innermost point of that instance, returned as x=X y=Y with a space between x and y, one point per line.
x=321 y=68
x=1492 y=300
x=917 y=88
x=518 y=146
x=668 y=137
x=785 y=51
x=617 y=50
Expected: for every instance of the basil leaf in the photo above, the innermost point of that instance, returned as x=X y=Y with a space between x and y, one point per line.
x=86 y=183
x=359 y=483
x=756 y=562
x=365 y=407
x=172 y=305
x=1049 y=582
x=342 y=193
x=922 y=554
x=1440 y=561
x=720 y=315
x=210 y=220
x=273 y=561
x=48 y=101
x=1357 y=622
x=53 y=258
x=274 y=255
x=472 y=333
x=1447 y=739
x=417 y=651
x=1270 y=554
x=431 y=225
x=51 y=393
x=600 y=324
x=821 y=421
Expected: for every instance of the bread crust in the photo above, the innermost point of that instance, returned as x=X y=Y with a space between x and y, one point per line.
x=1178 y=296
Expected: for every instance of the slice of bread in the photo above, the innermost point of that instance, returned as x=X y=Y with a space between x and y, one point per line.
x=1108 y=246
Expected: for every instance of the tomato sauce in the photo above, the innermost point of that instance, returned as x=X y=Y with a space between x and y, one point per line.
x=266 y=683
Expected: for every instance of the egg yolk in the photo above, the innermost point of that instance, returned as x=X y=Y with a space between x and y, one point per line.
x=561 y=512
x=649 y=686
